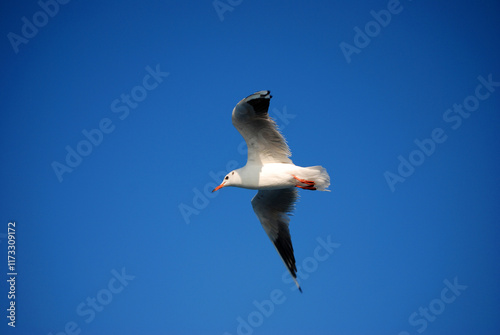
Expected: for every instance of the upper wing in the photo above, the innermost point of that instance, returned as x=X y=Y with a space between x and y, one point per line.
x=264 y=141
x=272 y=208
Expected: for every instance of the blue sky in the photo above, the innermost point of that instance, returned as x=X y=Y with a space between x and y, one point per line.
x=116 y=125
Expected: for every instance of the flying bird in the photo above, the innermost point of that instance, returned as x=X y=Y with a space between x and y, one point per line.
x=270 y=171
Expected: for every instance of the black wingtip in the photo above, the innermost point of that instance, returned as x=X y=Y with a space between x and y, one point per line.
x=300 y=289
x=259 y=101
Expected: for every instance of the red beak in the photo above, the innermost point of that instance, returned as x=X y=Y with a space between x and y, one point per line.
x=218 y=187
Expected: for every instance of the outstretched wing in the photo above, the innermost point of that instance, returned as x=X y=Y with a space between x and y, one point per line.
x=265 y=143
x=273 y=208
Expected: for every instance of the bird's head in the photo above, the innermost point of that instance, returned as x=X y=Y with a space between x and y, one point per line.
x=231 y=179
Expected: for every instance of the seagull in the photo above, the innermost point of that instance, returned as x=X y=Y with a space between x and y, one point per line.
x=270 y=171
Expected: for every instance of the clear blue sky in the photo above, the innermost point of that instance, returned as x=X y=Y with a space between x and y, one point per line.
x=116 y=118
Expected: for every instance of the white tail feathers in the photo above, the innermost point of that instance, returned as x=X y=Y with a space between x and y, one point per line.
x=319 y=175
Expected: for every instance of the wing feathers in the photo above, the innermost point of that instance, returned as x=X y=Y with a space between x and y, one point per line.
x=273 y=208
x=265 y=143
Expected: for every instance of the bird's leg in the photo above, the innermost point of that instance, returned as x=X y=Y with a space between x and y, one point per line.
x=309 y=183
x=306 y=187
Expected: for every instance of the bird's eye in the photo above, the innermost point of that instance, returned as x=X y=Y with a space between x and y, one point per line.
x=227 y=177
x=232 y=172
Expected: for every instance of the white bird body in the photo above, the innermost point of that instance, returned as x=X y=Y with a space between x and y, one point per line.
x=270 y=170
x=274 y=176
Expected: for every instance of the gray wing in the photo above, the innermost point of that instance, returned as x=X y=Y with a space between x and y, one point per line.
x=265 y=143
x=273 y=208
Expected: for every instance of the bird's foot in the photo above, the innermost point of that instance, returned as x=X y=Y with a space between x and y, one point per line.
x=306 y=187
x=309 y=183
